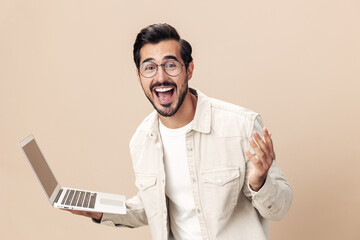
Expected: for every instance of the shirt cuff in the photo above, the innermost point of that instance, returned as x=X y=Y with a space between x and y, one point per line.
x=268 y=189
x=105 y=220
x=108 y=220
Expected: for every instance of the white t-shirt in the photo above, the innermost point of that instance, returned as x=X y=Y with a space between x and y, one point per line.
x=183 y=219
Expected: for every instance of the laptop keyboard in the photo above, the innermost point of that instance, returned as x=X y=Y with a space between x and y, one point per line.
x=79 y=198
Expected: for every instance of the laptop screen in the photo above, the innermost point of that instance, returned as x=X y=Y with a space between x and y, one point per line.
x=40 y=167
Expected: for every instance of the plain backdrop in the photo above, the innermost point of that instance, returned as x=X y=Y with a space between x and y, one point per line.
x=67 y=76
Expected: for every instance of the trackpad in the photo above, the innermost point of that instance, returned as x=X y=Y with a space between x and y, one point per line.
x=111 y=202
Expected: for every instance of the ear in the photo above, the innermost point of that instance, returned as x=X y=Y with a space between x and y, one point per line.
x=190 y=70
x=138 y=74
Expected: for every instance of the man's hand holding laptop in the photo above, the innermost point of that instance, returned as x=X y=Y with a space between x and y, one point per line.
x=94 y=215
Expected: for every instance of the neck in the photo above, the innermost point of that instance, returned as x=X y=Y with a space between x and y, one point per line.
x=184 y=115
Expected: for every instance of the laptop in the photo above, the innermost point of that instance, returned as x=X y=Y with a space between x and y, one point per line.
x=68 y=198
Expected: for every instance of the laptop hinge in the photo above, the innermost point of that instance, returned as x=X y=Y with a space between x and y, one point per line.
x=58 y=196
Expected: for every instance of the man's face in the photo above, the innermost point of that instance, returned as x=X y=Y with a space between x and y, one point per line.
x=165 y=93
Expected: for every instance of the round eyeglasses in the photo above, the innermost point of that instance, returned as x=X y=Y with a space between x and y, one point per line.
x=172 y=68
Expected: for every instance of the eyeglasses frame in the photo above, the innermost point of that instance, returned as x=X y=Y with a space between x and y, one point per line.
x=163 y=67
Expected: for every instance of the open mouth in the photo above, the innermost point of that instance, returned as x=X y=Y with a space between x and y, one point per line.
x=164 y=94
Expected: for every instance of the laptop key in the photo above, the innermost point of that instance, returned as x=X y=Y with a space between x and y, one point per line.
x=81 y=199
x=66 y=195
x=92 y=200
x=87 y=199
x=58 y=195
x=75 y=199
x=70 y=197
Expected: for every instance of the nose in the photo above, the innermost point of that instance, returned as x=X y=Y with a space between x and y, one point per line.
x=161 y=75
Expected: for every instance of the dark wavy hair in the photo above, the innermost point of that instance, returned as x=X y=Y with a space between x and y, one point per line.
x=160 y=32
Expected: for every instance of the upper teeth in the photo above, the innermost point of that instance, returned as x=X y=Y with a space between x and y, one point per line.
x=163 y=89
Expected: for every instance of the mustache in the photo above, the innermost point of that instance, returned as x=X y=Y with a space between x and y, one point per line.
x=164 y=84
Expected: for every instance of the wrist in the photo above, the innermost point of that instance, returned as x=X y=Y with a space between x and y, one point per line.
x=257 y=186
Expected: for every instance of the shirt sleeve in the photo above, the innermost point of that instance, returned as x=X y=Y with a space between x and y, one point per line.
x=274 y=198
x=135 y=215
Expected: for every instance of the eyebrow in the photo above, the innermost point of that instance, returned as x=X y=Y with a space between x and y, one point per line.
x=170 y=57
x=167 y=57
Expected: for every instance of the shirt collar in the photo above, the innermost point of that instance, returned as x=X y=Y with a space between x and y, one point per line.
x=202 y=118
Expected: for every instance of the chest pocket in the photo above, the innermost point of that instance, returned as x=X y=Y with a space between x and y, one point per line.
x=147 y=186
x=221 y=190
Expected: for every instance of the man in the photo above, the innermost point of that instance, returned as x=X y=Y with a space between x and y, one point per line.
x=204 y=168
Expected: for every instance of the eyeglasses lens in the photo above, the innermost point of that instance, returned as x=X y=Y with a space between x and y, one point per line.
x=172 y=68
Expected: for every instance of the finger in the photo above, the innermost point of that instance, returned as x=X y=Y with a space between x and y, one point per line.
x=269 y=142
x=267 y=139
x=78 y=212
x=253 y=159
x=260 y=155
x=261 y=143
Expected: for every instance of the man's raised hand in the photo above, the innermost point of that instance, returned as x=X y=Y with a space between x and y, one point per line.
x=262 y=159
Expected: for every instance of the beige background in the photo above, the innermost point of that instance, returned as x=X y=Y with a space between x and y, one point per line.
x=67 y=76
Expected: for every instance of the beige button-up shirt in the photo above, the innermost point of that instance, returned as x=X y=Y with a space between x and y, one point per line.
x=226 y=206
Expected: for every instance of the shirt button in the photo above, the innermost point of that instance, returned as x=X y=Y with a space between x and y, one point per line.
x=190 y=148
x=164 y=211
x=194 y=180
x=219 y=180
x=199 y=211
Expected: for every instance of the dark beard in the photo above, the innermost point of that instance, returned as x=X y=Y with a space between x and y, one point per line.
x=171 y=111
